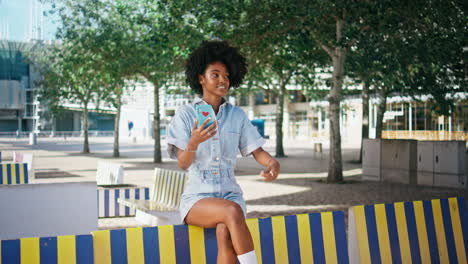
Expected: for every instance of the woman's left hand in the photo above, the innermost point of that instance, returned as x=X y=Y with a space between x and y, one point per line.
x=272 y=170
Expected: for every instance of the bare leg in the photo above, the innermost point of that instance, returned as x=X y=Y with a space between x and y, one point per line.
x=226 y=252
x=209 y=212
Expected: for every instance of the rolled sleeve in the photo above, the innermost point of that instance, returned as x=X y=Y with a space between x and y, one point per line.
x=250 y=139
x=179 y=132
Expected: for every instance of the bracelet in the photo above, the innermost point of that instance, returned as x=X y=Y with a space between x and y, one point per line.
x=190 y=150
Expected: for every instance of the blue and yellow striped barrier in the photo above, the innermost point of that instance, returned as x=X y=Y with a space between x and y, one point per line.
x=14 y=173
x=433 y=231
x=305 y=238
x=48 y=250
x=108 y=197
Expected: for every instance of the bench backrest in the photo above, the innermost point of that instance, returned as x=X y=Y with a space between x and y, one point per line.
x=107 y=200
x=306 y=238
x=409 y=232
x=47 y=250
x=109 y=173
x=27 y=158
x=14 y=173
x=168 y=186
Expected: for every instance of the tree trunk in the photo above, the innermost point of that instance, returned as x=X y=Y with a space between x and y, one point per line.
x=335 y=166
x=116 y=152
x=157 y=158
x=279 y=120
x=365 y=115
x=381 y=111
x=85 y=129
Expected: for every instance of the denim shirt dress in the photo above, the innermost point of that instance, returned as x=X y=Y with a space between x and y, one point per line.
x=212 y=170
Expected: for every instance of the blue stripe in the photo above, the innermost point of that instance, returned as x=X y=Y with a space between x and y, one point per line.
x=26 y=175
x=118 y=240
x=11 y=251
x=151 y=245
x=463 y=220
x=211 y=246
x=372 y=235
x=317 y=237
x=431 y=234
x=292 y=238
x=17 y=173
x=127 y=196
x=116 y=202
x=448 y=230
x=266 y=240
x=393 y=233
x=182 y=248
x=412 y=233
x=106 y=203
x=48 y=250
x=137 y=194
x=146 y=193
x=9 y=173
x=84 y=249
x=340 y=237
x=1 y=173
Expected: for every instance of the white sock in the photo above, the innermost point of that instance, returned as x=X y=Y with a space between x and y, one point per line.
x=248 y=258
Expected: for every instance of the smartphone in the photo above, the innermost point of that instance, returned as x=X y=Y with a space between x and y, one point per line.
x=205 y=111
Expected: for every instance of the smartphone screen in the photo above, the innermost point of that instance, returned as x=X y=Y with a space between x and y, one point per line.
x=205 y=111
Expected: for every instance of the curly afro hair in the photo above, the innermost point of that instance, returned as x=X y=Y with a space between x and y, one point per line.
x=210 y=52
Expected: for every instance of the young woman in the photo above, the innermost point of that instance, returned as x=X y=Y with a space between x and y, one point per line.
x=212 y=197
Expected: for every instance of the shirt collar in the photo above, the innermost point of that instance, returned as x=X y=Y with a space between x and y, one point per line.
x=199 y=100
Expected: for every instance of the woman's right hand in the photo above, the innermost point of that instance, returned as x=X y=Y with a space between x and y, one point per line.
x=201 y=134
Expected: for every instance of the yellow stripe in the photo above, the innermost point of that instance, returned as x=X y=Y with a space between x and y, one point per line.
x=422 y=232
x=440 y=232
x=101 y=245
x=197 y=247
x=29 y=248
x=21 y=173
x=382 y=230
x=305 y=241
x=4 y=169
x=167 y=244
x=66 y=250
x=361 y=233
x=279 y=239
x=402 y=228
x=252 y=223
x=457 y=230
x=329 y=237
x=135 y=253
x=13 y=173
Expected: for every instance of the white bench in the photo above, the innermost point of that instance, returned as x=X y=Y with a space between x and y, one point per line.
x=163 y=206
x=109 y=173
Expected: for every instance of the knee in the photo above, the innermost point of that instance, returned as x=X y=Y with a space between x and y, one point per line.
x=234 y=213
x=222 y=232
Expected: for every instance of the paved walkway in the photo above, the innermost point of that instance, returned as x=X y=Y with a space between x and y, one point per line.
x=301 y=187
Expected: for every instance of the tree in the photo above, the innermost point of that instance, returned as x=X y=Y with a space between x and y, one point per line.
x=100 y=27
x=69 y=75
